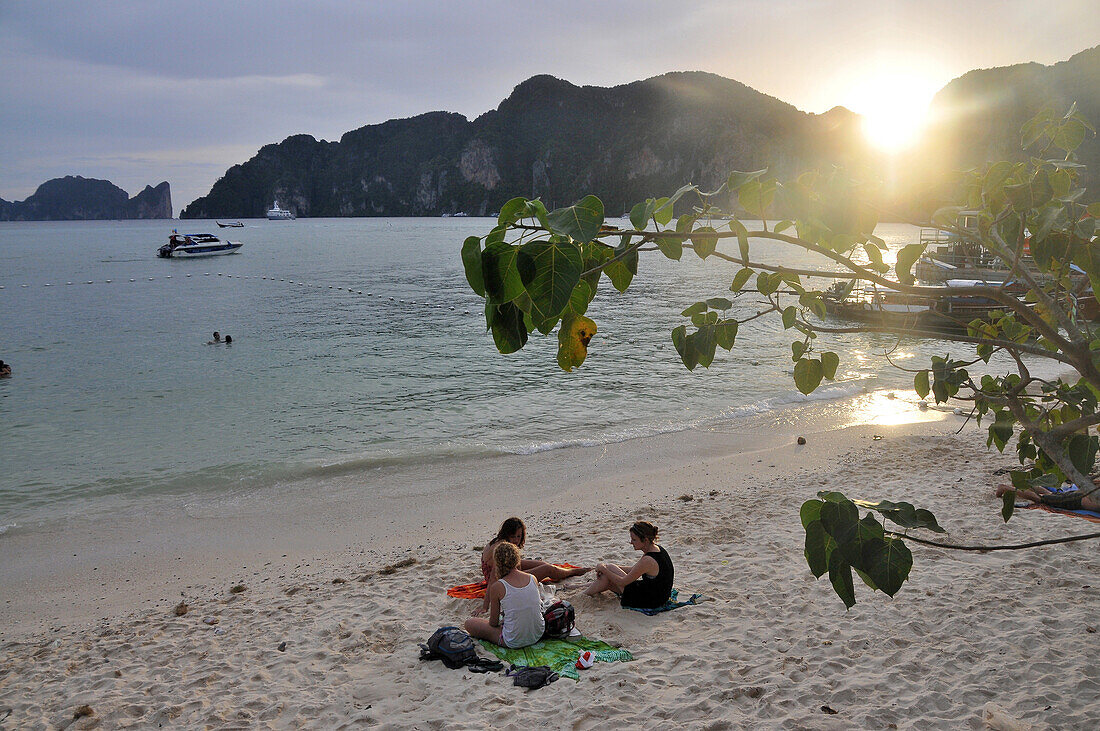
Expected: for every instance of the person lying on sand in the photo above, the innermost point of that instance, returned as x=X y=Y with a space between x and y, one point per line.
x=1072 y=500
x=514 y=531
x=515 y=604
x=647 y=584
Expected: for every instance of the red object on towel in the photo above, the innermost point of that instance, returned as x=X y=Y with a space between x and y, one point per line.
x=477 y=590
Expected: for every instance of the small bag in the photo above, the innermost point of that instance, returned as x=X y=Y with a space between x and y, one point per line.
x=532 y=678
x=560 y=618
x=451 y=645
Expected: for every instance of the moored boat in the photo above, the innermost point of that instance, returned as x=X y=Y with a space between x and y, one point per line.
x=230 y=224
x=900 y=310
x=275 y=213
x=191 y=246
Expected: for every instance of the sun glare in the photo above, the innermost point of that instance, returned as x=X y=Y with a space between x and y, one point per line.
x=894 y=107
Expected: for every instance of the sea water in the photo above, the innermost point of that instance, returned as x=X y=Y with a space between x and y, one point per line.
x=356 y=342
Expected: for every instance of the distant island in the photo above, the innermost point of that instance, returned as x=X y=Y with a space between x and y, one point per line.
x=74 y=198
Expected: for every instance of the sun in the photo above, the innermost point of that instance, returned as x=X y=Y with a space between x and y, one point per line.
x=894 y=107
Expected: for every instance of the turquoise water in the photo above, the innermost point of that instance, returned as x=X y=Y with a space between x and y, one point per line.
x=356 y=343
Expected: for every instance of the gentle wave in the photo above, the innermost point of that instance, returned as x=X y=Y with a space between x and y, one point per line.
x=837 y=392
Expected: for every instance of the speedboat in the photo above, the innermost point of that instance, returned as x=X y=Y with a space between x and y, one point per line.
x=231 y=224
x=190 y=246
x=279 y=214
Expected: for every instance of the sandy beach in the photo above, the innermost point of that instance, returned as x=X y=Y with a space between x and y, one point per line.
x=321 y=593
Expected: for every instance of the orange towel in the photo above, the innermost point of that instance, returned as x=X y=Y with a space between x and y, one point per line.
x=477 y=590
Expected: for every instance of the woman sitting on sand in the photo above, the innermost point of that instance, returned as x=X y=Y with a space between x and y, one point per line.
x=514 y=531
x=515 y=605
x=648 y=584
x=1066 y=500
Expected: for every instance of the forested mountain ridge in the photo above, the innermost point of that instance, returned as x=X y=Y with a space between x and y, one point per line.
x=553 y=139
x=549 y=138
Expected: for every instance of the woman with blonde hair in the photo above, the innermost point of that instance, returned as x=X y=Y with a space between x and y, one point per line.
x=515 y=606
x=645 y=585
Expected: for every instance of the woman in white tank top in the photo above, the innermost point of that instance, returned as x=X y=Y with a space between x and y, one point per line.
x=515 y=607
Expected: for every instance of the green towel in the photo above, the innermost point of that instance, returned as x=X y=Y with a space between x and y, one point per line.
x=559 y=655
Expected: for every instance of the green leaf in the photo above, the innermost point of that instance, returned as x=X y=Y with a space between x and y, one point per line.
x=719 y=303
x=704 y=246
x=782 y=226
x=740 y=279
x=816 y=552
x=670 y=247
x=704 y=341
x=807 y=375
x=756 y=196
x=736 y=179
x=471 y=262
x=506 y=322
x=766 y=284
x=641 y=213
x=888 y=563
x=500 y=272
x=920 y=383
x=840 y=576
x=907 y=257
x=685 y=347
x=789 y=315
x=1008 y=504
x=519 y=208
x=621 y=271
x=549 y=272
x=725 y=333
x=903 y=514
x=663 y=212
x=581 y=296
x=829 y=363
x=573 y=337
x=797 y=349
x=694 y=309
x=580 y=221
x=742 y=238
x=1094 y=209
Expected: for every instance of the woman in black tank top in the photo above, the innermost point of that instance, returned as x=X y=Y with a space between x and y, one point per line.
x=645 y=585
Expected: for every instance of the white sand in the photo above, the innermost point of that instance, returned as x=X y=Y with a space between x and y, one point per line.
x=994 y=640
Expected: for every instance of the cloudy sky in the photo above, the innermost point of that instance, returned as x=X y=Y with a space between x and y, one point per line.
x=143 y=91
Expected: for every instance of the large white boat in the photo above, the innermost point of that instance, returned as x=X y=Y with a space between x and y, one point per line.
x=279 y=214
x=191 y=246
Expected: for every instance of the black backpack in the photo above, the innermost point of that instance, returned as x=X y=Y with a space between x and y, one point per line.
x=451 y=645
x=560 y=618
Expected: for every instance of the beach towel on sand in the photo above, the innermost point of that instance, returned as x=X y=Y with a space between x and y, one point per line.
x=477 y=589
x=669 y=605
x=559 y=655
x=1064 y=490
x=1086 y=514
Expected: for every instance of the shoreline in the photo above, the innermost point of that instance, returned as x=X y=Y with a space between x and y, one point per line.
x=970 y=636
x=85 y=568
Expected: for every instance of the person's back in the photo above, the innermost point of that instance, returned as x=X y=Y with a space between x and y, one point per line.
x=521 y=618
x=5 y=370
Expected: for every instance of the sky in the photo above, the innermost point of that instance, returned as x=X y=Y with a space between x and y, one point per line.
x=140 y=92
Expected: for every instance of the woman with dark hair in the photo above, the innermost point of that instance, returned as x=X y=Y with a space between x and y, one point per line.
x=515 y=605
x=514 y=531
x=648 y=583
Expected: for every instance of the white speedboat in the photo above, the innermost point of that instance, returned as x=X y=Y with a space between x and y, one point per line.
x=190 y=246
x=279 y=214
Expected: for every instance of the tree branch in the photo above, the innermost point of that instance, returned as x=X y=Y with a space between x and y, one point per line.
x=1012 y=547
